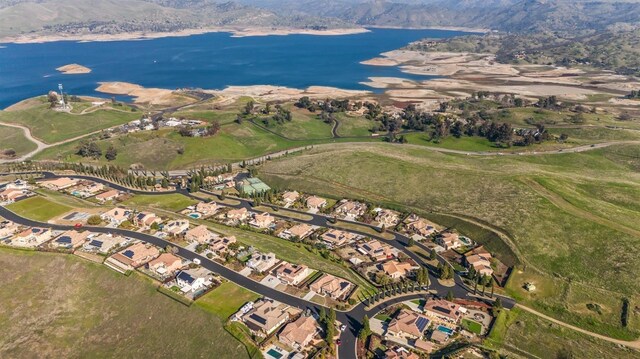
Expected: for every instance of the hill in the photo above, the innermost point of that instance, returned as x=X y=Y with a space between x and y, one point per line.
x=610 y=49
x=503 y=15
x=82 y=17
x=67 y=307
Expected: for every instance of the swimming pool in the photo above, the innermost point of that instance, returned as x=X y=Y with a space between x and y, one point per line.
x=274 y=353
x=447 y=331
x=194 y=215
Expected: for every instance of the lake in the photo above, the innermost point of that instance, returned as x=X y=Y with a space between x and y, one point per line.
x=210 y=61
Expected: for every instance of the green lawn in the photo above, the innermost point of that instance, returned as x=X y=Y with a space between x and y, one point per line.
x=13 y=138
x=38 y=208
x=77 y=309
x=172 y=202
x=472 y=326
x=52 y=126
x=226 y=300
x=582 y=243
x=464 y=143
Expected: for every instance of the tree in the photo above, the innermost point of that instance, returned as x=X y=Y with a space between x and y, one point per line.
x=365 y=331
x=89 y=149
x=213 y=128
x=450 y=296
x=248 y=108
x=94 y=220
x=111 y=153
x=433 y=255
x=411 y=242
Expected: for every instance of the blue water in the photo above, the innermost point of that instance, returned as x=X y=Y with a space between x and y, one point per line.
x=211 y=61
x=445 y=330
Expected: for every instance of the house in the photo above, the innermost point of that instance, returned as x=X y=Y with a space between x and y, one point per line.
x=32 y=237
x=165 y=265
x=104 y=243
x=449 y=240
x=408 y=324
x=299 y=231
x=444 y=310
x=71 y=239
x=298 y=334
x=316 y=203
x=332 y=286
x=146 y=219
x=397 y=270
x=116 y=216
x=400 y=353
x=221 y=244
x=266 y=316
x=238 y=214
x=480 y=260
x=109 y=195
x=194 y=280
x=417 y=225
x=439 y=337
x=18 y=184
x=11 y=195
x=86 y=189
x=334 y=238
x=59 y=184
x=292 y=274
x=206 y=209
x=134 y=256
x=264 y=220
x=387 y=218
x=176 y=228
x=290 y=197
x=8 y=229
x=261 y=262
x=350 y=209
x=200 y=234
x=375 y=250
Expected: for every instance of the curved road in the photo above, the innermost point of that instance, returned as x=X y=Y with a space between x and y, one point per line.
x=352 y=318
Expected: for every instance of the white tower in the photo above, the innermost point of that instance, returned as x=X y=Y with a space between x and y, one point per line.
x=64 y=105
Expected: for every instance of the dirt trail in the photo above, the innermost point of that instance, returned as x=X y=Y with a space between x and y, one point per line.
x=566 y=206
x=631 y=344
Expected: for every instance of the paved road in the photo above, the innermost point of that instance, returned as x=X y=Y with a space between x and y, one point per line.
x=351 y=318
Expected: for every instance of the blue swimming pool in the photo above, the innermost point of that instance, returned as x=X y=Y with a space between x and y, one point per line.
x=445 y=330
x=274 y=353
x=194 y=215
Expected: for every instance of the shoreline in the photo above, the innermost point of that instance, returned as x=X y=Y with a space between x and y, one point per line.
x=140 y=36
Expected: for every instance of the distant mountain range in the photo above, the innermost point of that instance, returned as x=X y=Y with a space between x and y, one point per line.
x=81 y=17
x=117 y=16
x=503 y=15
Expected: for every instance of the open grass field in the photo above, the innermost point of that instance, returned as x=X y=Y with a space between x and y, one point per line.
x=38 y=208
x=569 y=241
x=353 y=126
x=172 y=202
x=61 y=306
x=523 y=334
x=13 y=138
x=225 y=300
x=51 y=126
x=303 y=126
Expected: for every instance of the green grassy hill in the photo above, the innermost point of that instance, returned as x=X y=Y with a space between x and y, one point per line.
x=570 y=218
x=65 y=307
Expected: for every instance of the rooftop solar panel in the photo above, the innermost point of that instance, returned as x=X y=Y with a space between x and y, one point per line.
x=422 y=323
x=64 y=239
x=128 y=253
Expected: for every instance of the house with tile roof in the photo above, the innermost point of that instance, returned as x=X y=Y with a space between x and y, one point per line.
x=299 y=333
x=266 y=316
x=335 y=238
x=332 y=286
x=408 y=324
x=71 y=239
x=165 y=265
x=200 y=234
x=444 y=310
x=292 y=274
x=133 y=256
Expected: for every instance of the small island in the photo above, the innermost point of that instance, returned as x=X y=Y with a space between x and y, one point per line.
x=74 y=69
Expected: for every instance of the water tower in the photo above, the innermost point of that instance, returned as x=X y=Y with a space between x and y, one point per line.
x=62 y=103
